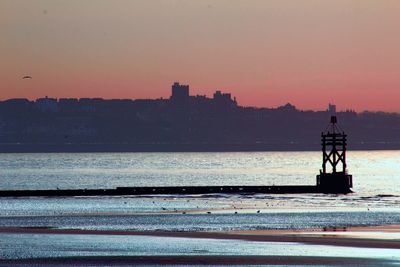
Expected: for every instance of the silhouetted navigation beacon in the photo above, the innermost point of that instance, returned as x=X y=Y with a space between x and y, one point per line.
x=333 y=178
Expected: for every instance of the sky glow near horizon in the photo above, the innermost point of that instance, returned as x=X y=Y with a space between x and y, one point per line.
x=266 y=53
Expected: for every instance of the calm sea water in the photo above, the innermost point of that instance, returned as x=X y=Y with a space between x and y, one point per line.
x=376 y=199
x=375 y=172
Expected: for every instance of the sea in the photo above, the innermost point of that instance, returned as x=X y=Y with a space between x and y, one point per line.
x=375 y=201
x=376 y=178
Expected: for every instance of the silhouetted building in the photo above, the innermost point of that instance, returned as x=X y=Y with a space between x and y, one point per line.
x=16 y=107
x=287 y=108
x=331 y=109
x=90 y=104
x=66 y=104
x=223 y=101
x=17 y=102
x=47 y=104
x=180 y=93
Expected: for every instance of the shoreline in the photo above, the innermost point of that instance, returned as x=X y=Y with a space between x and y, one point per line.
x=300 y=236
x=330 y=237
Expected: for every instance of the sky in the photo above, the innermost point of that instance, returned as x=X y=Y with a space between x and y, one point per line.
x=264 y=52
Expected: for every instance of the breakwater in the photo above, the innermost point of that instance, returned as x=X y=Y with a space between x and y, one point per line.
x=178 y=190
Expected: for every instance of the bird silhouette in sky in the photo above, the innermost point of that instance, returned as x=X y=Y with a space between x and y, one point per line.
x=27 y=77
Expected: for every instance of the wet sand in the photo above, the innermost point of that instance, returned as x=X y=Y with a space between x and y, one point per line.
x=198 y=260
x=318 y=236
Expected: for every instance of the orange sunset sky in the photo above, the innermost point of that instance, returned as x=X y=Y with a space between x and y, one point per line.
x=265 y=52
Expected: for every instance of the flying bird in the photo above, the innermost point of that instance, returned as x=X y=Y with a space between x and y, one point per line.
x=27 y=77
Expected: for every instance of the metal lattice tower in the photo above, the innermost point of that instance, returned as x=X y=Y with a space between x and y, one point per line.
x=334 y=143
x=334 y=146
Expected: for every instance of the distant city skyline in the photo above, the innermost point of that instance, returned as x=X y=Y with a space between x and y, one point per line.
x=182 y=119
x=178 y=92
x=266 y=53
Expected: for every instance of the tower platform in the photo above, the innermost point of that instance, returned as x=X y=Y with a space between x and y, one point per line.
x=338 y=182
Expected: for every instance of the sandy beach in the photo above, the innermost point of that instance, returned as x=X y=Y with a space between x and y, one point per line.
x=307 y=236
x=331 y=237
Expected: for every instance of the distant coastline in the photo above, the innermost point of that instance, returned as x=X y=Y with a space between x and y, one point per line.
x=182 y=123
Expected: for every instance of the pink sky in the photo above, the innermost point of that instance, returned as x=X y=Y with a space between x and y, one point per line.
x=265 y=52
